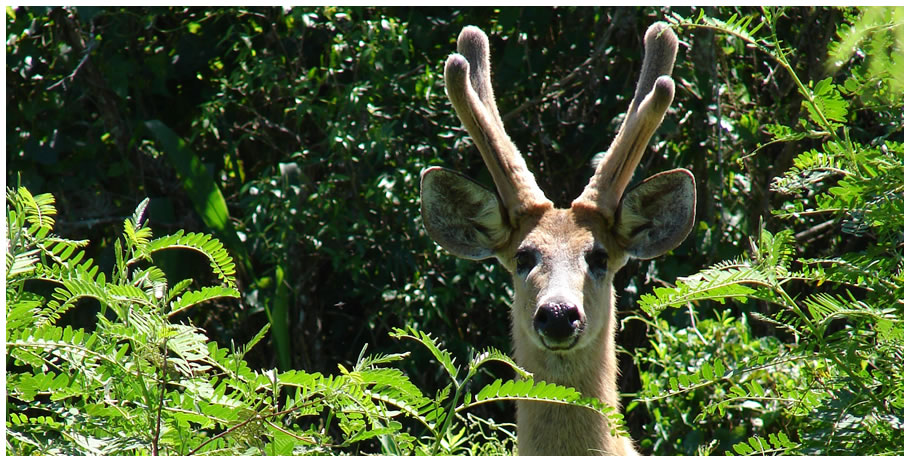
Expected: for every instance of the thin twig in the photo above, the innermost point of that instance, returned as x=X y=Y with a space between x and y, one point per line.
x=245 y=422
x=161 y=385
x=72 y=75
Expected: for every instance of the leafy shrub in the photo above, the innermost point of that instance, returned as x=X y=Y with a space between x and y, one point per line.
x=830 y=380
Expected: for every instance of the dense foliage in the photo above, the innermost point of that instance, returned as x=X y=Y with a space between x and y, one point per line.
x=289 y=141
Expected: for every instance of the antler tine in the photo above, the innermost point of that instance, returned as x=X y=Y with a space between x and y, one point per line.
x=468 y=84
x=654 y=94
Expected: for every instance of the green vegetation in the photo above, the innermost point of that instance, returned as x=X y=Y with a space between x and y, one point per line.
x=289 y=142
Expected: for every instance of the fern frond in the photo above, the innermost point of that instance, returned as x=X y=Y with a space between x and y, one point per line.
x=541 y=391
x=391 y=386
x=256 y=339
x=135 y=233
x=139 y=212
x=21 y=312
x=194 y=297
x=38 y=210
x=190 y=347
x=760 y=446
x=61 y=250
x=712 y=284
x=178 y=289
x=736 y=26
x=441 y=355
x=810 y=168
x=376 y=432
x=26 y=386
x=783 y=319
x=850 y=270
x=825 y=308
x=372 y=361
x=66 y=296
x=219 y=259
x=72 y=269
x=129 y=294
x=74 y=346
x=492 y=354
x=20 y=264
x=774 y=251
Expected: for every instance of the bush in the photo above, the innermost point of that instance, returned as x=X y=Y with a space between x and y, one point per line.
x=829 y=380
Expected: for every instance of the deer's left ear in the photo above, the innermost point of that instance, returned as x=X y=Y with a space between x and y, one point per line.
x=656 y=215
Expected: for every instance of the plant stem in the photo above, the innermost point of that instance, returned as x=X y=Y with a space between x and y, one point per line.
x=161 y=385
x=448 y=419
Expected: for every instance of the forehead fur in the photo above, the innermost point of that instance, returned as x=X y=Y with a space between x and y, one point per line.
x=561 y=228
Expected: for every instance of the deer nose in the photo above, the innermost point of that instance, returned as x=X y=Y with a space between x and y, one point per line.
x=558 y=322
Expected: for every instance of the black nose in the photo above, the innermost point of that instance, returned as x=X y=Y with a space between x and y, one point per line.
x=557 y=321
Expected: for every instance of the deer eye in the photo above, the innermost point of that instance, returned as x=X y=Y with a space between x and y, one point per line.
x=525 y=260
x=596 y=259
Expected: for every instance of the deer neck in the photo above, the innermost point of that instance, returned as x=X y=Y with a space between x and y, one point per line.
x=591 y=370
x=549 y=429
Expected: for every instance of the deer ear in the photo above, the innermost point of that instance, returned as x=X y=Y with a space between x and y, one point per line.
x=656 y=215
x=462 y=216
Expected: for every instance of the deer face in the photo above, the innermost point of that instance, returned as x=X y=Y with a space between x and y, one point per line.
x=562 y=260
x=562 y=270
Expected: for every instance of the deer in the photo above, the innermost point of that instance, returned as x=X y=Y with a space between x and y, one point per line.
x=562 y=260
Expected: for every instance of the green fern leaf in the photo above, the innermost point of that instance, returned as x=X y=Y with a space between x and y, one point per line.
x=178 y=289
x=543 y=392
x=66 y=296
x=189 y=344
x=128 y=294
x=20 y=264
x=834 y=108
x=391 y=386
x=492 y=354
x=195 y=297
x=441 y=355
x=219 y=259
x=393 y=428
x=256 y=339
x=21 y=313
x=38 y=210
x=706 y=285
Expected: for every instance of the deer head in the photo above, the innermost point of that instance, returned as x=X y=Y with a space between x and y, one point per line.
x=562 y=260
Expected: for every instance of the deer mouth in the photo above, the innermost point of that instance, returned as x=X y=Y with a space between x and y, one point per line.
x=559 y=345
x=563 y=342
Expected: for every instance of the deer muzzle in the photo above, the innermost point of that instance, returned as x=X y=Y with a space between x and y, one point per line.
x=559 y=324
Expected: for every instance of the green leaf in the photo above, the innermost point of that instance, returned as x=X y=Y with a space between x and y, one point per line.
x=684 y=380
x=829 y=101
x=492 y=354
x=192 y=298
x=756 y=443
x=707 y=371
x=441 y=355
x=719 y=368
x=742 y=449
x=277 y=314
x=219 y=259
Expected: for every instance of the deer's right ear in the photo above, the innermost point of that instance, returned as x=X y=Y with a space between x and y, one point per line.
x=462 y=216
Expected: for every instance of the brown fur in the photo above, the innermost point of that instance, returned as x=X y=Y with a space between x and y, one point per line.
x=563 y=235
